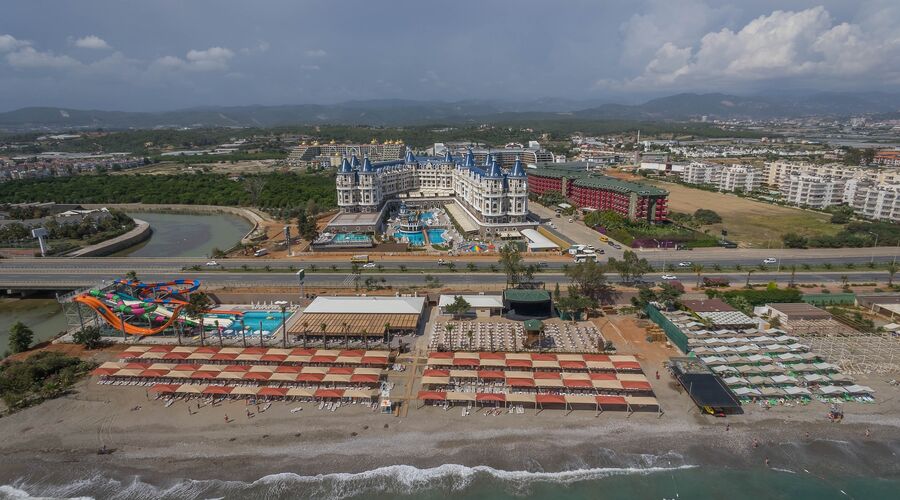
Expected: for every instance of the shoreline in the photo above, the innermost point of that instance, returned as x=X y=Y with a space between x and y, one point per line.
x=165 y=445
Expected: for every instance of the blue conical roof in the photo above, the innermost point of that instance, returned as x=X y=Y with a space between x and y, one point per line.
x=367 y=165
x=448 y=158
x=470 y=158
x=354 y=161
x=410 y=157
x=517 y=170
x=488 y=160
x=495 y=170
x=346 y=168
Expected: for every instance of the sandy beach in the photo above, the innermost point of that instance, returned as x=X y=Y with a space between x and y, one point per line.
x=59 y=439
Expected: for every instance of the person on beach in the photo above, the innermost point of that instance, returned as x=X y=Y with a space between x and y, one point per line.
x=868 y=433
x=727 y=427
x=226 y=419
x=755 y=443
x=767 y=461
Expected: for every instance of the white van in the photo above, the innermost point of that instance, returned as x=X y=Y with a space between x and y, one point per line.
x=584 y=257
x=576 y=249
x=260 y=252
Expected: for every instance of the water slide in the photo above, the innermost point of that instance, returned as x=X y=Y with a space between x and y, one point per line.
x=116 y=322
x=109 y=305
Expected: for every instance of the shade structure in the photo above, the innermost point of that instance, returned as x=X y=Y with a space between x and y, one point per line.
x=310 y=377
x=374 y=360
x=256 y=376
x=159 y=348
x=550 y=399
x=520 y=382
x=340 y=370
x=635 y=386
x=273 y=357
x=572 y=365
x=577 y=384
x=603 y=376
x=364 y=379
x=203 y=375
x=224 y=356
x=174 y=355
x=190 y=389
x=218 y=389
x=549 y=382
x=518 y=363
x=432 y=396
x=466 y=362
x=576 y=399
x=288 y=369
x=163 y=388
x=626 y=365
x=461 y=396
x=229 y=376
x=300 y=392
x=272 y=391
x=547 y=375
x=435 y=381
x=520 y=398
x=436 y=373
x=336 y=378
x=154 y=373
x=491 y=374
x=186 y=367
x=491 y=355
x=490 y=396
x=245 y=391
x=360 y=393
x=284 y=377
x=255 y=350
x=329 y=393
x=610 y=400
x=323 y=359
x=206 y=349
x=136 y=366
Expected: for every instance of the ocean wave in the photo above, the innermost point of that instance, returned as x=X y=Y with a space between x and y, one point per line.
x=390 y=480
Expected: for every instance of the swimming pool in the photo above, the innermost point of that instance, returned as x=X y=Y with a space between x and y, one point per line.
x=436 y=236
x=415 y=239
x=271 y=320
x=348 y=237
x=426 y=215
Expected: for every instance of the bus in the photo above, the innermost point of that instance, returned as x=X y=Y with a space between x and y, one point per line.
x=584 y=257
x=359 y=259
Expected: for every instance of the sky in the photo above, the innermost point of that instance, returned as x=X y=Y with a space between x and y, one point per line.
x=170 y=54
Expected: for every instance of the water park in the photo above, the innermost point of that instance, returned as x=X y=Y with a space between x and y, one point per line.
x=129 y=309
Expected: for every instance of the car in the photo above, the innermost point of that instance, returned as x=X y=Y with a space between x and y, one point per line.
x=686 y=263
x=770 y=260
x=212 y=263
x=442 y=262
x=369 y=265
x=668 y=277
x=571 y=220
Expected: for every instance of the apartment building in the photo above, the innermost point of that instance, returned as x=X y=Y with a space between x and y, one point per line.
x=723 y=177
x=332 y=153
x=812 y=191
x=872 y=200
x=888 y=158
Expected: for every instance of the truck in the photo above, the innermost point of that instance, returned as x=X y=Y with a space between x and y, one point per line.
x=359 y=259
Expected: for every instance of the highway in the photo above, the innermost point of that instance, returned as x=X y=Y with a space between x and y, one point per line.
x=70 y=279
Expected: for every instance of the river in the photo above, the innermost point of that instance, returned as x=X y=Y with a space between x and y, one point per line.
x=187 y=235
x=43 y=315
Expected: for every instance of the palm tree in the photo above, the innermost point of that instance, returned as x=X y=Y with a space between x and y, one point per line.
x=749 y=272
x=698 y=270
x=305 y=326
x=471 y=336
x=198 y=305
x=219 y=332
x=449 y=329
x=892 y=269
x=345 y=327
x=387 y=331
x=793 y=274
x=365 y=335
x=471 y=267
x=324 y=326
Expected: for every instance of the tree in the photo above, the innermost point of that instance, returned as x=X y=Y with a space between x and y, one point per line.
x=254 y=186
x=470 y=335
x=450 y=327
x=471 y=267
x=131 y=276
x=892 y=269
x=305 y=326
x=89 y=337
x=573 y=304
x=588 y=280
x=706 y=217
x=749 y=273
x=458 y=307
x=644 y=296
x=323 y=328
x=669 y=294
x=794 y=240
x=198 y=305
x=556 y=292
x=20 y=337
x=698 y=270
x=511 y=262
x=631 y=267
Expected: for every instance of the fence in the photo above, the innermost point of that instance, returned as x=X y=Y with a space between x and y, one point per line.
x=676 y=336
x=822 y=299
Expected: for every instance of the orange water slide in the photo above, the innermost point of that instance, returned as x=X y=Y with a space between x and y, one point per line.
x=116 y=322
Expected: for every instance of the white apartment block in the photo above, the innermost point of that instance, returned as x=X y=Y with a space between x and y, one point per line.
x=812 y=191
x=874 y=201
x=724 y=177
x=487 y=192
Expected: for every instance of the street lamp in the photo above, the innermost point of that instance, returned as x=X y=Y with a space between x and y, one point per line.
x=874 y=247
x=301 y=277
x=283 y=306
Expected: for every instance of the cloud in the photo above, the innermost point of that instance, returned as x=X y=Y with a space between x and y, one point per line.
x=316 y=53
x=92 y=42
x=9 y=43
x=805 y=44
x=211 y=59
x=29 y=58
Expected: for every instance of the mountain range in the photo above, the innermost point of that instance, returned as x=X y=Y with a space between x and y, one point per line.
x=398 y=112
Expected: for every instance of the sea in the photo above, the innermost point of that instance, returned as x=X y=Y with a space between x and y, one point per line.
x=460 y=482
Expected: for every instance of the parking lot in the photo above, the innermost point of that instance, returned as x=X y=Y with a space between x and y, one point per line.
x=575 y=231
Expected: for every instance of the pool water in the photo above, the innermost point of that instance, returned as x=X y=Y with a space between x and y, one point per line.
x=271 y=320
x=436 y=236
x=346 y=237
x=426 y=215
x=415 y=239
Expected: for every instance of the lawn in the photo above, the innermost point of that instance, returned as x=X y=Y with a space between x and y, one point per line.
x=750 y=223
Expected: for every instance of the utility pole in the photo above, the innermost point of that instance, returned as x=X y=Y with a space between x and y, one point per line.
x=287 y=239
